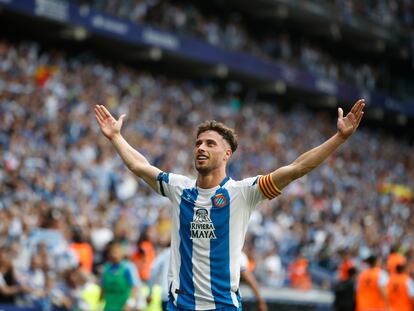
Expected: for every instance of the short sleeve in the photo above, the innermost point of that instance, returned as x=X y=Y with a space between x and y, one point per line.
x=250 y=191
x=169 y=184
x=257 y=189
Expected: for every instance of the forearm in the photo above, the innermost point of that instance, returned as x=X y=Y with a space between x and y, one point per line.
x=131 y=157
x=314 y=157
x=306 y=162
x=135 y=161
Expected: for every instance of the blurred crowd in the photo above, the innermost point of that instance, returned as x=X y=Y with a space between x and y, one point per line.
x=231 y=31
x=65 y=195
x=391 y=13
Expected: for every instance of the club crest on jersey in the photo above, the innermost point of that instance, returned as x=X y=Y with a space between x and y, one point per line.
x=219 y=200
x=202 y=226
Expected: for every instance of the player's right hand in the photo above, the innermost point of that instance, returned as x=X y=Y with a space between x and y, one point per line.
x=110 y=127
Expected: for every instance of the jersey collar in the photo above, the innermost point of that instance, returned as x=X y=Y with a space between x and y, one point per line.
x=226 y=179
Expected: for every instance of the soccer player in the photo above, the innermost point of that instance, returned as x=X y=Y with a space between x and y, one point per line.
x=211 y=212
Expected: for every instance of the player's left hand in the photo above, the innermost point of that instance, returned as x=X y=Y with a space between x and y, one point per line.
x=348 y=125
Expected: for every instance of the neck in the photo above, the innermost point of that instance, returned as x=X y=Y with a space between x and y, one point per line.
x=211 y=180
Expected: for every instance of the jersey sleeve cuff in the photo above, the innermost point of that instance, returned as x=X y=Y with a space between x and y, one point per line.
x=162 y=177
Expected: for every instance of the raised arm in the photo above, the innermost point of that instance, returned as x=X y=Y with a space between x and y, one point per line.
x=134 y=160
x=314 y=157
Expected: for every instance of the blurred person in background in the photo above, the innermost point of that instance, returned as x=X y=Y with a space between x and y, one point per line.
x=10 y=288
x=101 y=235
x=395 y=258
x=410 y=262
x=271 y=270
x=144 y=255
x=345 y=264
x=159 y=275
x=119 y=281
x=203 y=223
x=371 y=291
x=82 y=249
x=36 y=280
x=85 y=292
x=400 y=290
x=298 y=274
x=76 y=291
x=345 y=292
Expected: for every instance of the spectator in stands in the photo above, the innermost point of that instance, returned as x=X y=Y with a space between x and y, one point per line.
x=76 y=292
x=10 y=287
x=36 y=281
x=270 y=269
x=229 y=32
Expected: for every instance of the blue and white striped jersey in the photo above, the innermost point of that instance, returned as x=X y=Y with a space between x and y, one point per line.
x=209 y=227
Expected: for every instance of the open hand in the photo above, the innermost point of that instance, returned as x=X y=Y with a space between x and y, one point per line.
x=348 y=125
x=110 y=127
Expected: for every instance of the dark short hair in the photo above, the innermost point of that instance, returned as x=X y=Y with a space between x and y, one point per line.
x=352 y=271
x=371 y=260
x=227 y=133
x=400 y=268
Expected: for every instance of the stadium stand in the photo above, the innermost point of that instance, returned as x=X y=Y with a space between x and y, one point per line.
x=232 y=31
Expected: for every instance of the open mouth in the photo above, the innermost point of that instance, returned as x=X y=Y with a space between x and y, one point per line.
x=201 y=157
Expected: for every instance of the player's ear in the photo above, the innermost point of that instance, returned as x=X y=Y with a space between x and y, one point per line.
x=227 y=154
